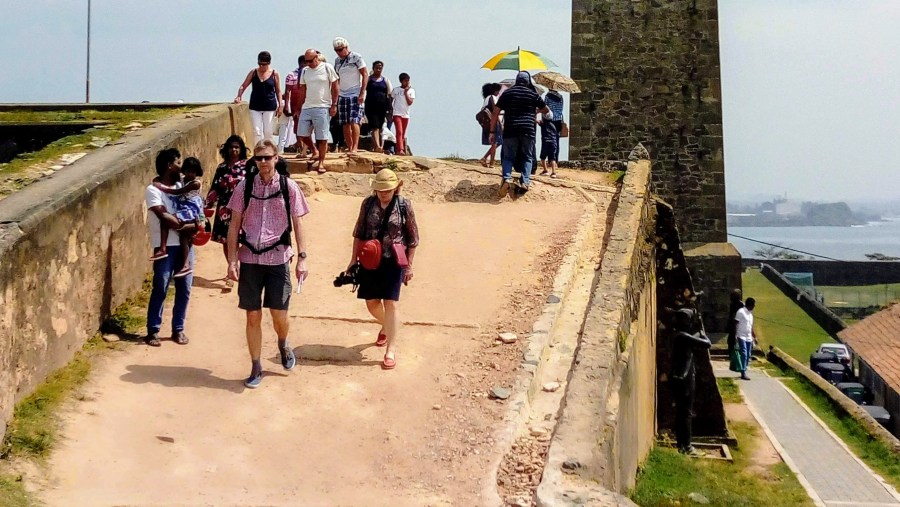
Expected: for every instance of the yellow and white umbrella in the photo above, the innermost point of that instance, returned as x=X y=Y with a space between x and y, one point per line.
x=520 y=59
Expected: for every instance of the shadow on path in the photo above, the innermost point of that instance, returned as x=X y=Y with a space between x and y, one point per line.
x=181 y=376
x=322 y=355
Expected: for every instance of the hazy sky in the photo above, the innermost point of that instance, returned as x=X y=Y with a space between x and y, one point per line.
x=810 y=86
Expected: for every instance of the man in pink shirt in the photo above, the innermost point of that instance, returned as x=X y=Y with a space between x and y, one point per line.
x=261 y=223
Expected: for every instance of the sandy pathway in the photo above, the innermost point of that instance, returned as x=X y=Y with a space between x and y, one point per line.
x=174 y=426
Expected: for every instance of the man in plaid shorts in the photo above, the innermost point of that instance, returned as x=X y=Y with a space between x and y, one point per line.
x=354 y=76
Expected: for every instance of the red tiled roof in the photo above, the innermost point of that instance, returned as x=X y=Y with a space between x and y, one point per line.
x=876 y=339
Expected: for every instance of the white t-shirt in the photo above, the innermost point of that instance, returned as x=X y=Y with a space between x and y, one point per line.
x=318 y=85
x=744 y=318
x=156 y=197
x=348 y=70
x=398 y=100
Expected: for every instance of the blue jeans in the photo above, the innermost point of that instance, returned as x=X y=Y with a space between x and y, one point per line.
x=745 y=348
x=163 y=269
x=521 y=149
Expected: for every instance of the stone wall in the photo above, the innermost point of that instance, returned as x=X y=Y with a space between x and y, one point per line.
x=74 y=246
x=649 y=73
x=716 y=271
x=831 y=323
x=842 y=273
x=608 y=423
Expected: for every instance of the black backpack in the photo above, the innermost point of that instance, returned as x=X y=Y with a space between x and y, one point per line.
x=285 y=238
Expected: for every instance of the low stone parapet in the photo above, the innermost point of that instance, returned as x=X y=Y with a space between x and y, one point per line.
x=74 y=246
x=608 y=422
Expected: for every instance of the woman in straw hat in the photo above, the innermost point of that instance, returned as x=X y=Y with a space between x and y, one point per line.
x=388 y=217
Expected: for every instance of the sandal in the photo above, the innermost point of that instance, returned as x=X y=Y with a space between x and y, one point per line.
x=184 y=272
x=553 y=175
x=382 y=339
x=484 y=163
x=545 y=173
x=152 y=340
x=158 y=255
x=389 y=363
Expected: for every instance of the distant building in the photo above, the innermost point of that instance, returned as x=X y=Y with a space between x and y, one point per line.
x=789 y=208
x=875 y=341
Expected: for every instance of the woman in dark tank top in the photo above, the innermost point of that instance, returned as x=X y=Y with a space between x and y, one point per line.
x=265 y=96
x=378 y=89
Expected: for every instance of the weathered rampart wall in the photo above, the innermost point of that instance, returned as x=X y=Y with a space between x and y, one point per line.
x=649 y=73
x=608 y=424
x=75 y=246
x=843 y=273
x=831 y=323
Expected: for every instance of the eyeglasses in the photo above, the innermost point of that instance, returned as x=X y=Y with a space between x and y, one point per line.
x=263 y=158
x=263 y=63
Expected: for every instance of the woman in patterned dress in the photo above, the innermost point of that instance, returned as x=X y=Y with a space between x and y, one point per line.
x=228 y=175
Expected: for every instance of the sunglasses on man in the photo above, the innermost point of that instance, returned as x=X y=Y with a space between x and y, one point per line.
x=263 y=158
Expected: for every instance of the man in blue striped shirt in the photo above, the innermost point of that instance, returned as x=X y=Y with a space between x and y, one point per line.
x=519 y=105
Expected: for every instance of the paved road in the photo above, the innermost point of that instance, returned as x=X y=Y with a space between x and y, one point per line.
x=823 y=463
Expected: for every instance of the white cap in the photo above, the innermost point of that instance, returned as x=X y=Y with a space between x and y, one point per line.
x=340 y=42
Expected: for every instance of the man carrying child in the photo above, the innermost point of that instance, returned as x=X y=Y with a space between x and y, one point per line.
x=161 y=209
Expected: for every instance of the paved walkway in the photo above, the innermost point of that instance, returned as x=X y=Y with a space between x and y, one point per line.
x=828 y=470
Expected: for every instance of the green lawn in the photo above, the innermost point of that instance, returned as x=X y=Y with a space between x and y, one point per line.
x=668 y=478
x=779 y=321
x=860 y=296
x=729 y=390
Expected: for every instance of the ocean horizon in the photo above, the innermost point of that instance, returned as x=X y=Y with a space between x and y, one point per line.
x=841 y=243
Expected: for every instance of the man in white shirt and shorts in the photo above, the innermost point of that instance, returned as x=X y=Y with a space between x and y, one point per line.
x=354 y=76
x=745 y=335
x=318 y=90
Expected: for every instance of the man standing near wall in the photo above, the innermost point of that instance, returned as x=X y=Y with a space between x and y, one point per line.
x=162 y=208
x=743 y=321
x=354 y=77
x=519 y=105
x=265 y=208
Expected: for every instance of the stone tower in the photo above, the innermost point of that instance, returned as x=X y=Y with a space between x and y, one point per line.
x=649 y=73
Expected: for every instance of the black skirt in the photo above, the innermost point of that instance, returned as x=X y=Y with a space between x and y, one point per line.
x=381 y=283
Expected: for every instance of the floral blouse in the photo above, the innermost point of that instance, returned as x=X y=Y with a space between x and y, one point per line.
x=399 y=230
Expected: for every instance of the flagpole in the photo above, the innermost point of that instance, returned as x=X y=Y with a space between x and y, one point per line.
x=87 y=80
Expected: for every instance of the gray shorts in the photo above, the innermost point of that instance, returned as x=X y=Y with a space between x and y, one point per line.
x=255 y=279
x=314 y=119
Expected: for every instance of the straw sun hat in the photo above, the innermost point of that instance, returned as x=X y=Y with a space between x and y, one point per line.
x=385 y=180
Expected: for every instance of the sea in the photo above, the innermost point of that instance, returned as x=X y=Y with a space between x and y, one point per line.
x=841 y=243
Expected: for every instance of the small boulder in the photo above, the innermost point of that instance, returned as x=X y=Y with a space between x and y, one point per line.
x=423 y=163
x=111 y=338
x=698 y=498
x=553 y=299
x=550 y=387
x=499 y=393
x=508 y=338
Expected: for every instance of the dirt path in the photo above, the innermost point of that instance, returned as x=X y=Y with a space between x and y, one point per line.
x=174 y=426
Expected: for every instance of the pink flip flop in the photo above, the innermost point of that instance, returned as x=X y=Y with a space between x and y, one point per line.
x=389 y=363
x=381 y=341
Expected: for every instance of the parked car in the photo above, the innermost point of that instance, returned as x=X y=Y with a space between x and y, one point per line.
x=853 y=390
x=879 y=414
x=817 y=358
x=832 y=372
x=838 y=349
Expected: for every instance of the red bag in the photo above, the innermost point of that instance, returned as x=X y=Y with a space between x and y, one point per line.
x=400 y=255
x=370 y=254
